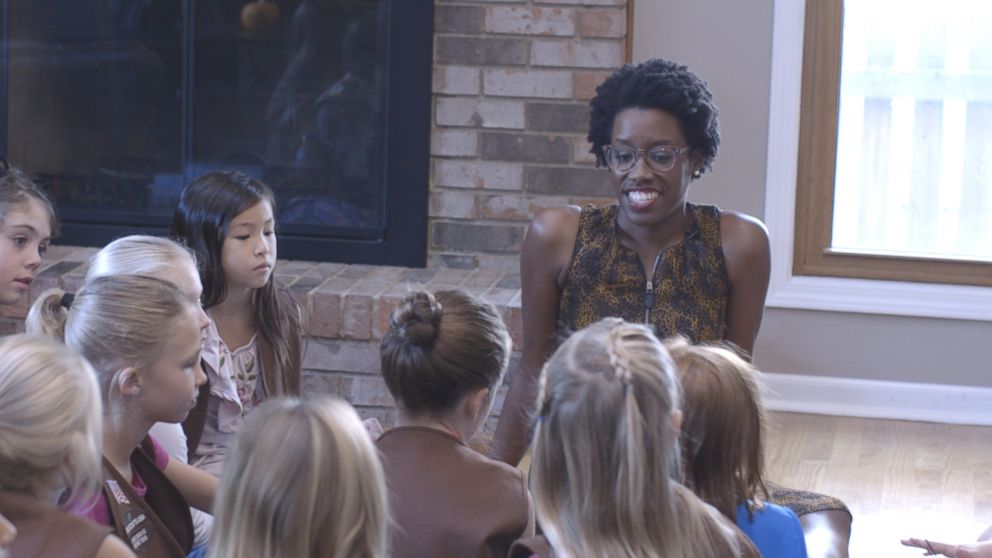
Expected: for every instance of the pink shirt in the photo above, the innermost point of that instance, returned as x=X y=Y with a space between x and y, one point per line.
x=100 y=511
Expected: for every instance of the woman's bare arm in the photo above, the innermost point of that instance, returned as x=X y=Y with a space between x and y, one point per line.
x=748 y=258
x=544 y=260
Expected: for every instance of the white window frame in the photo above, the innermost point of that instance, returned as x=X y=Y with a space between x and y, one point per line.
x=863 y=296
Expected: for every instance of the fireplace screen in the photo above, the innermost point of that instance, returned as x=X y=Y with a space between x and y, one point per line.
x=114 y=105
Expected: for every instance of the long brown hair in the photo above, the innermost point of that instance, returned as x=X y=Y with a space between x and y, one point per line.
x=206 y=208
x=604 y=449
x=723 y=432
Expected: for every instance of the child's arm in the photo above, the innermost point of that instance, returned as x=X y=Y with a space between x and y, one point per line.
x=112 y=547
x=199 y=488
x=934 y=548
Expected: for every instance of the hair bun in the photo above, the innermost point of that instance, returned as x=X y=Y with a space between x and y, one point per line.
x=419 y=318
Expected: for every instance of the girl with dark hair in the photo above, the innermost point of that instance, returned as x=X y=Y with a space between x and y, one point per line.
x=443 y=359
x=251 y=348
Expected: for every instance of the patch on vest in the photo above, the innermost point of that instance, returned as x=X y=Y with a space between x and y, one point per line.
x=135 y=526
x=119 y=495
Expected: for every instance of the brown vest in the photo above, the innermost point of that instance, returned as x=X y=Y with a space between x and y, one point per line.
x=272 y=382
x=158 y=525
x=43 y=530
x=448 y=500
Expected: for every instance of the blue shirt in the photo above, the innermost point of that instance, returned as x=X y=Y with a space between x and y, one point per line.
x=775 y=530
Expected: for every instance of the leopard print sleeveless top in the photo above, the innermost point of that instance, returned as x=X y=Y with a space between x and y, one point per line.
x=688 y=289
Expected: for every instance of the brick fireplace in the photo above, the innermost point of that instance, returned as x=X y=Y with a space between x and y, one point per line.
x=511 y=84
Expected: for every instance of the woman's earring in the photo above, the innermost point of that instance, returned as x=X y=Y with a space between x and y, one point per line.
x=697 y=173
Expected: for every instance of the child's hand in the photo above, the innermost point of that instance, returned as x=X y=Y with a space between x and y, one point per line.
x=373 y=427
x=933 y=548
x=7 y=534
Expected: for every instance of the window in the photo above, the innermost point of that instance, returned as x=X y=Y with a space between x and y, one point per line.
x=894 y=178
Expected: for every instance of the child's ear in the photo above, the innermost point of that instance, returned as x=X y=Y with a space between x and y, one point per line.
x=477 y=403
x=128 y=381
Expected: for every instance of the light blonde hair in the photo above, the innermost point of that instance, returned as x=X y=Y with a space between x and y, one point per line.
x=724 y=428
x=303 y=479
x=130 y=255
x=114 y=321
x=604 y=448
x=140 y=254
x=50 y=419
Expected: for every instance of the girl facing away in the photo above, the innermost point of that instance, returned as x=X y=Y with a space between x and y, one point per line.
x=723 y=437
x=117 y=324
x=50 y=430
x=443 y=358
x=27 y=223
x=318 y=493
x=251 y=348
x=607 y=425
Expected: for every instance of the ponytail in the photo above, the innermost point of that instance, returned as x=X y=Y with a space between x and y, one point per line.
x=49 y=313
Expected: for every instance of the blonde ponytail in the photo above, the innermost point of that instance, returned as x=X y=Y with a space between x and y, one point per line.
x=48 y=314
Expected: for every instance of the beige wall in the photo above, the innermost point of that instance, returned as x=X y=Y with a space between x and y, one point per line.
x=729 y=44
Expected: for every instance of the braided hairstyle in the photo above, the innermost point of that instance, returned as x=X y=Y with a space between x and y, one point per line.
x=604 y=450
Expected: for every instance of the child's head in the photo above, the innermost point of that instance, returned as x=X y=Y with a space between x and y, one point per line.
x=443 y=348
x=50 y=418
x=227 y=219
x=723 y=431
x=608 y=415
x=27 y=223
x=117 y=323
x=152 y=256
x=303 y=479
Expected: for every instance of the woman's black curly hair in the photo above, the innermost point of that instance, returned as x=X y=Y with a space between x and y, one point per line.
x=663 y=85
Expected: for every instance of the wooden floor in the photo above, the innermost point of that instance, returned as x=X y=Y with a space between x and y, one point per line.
x=899 y=478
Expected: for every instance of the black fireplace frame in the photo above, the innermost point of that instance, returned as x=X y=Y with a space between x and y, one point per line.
x=402 y=240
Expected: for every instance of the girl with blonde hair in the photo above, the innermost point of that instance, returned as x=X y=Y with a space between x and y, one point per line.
x=302 y=480
x=117 y=324
x=605 y=442
x=723 y=445
x=50 y=429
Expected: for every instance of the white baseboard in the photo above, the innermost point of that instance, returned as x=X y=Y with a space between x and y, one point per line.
x=822 y=395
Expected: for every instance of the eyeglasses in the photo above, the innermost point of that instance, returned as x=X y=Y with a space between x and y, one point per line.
x=622 y=158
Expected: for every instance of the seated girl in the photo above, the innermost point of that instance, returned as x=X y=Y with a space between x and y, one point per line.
x=723 y=436
x=142 y=336
x=443 y=359
x=316 y=492
x=607 y=425
x=50 y=427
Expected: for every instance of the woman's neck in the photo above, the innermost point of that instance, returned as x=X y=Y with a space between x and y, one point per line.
x=655 y=237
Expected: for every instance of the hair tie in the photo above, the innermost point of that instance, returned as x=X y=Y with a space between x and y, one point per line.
x=66 y=301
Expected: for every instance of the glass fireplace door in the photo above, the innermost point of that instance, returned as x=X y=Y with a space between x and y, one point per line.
x=114 y=105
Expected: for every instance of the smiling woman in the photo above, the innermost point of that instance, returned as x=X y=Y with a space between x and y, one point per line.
x=27 y=221
x=651 y=257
